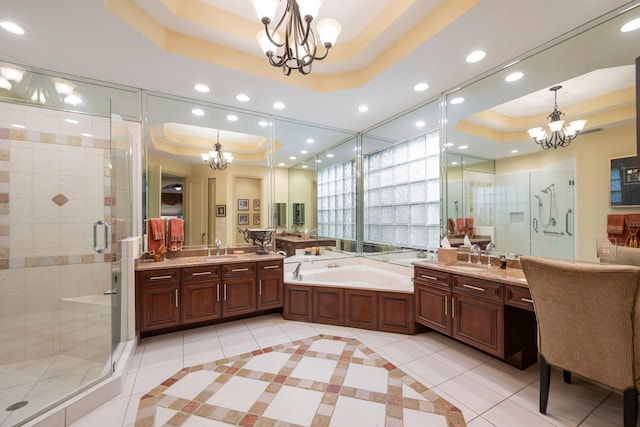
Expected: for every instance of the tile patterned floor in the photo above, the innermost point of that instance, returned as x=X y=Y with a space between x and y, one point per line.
x=318 y=381
x=487 y=391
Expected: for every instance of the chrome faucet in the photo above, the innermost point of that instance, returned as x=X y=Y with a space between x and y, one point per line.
x=488 y=249
x=296 y=272
x=472 y=250
x=217 y=242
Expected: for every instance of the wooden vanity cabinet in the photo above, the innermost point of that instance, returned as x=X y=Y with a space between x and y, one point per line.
x=169 y=298
x=432 y=296
x=328 y=305
x=491 y=316
x=270 y=284
x=200 y=294
x=159 y=298
x=477 y=314
x=238 y=289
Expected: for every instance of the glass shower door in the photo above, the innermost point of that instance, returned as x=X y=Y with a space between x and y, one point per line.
x=552 y=214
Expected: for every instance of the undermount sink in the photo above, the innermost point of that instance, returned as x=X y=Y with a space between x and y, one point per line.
x=472 y=267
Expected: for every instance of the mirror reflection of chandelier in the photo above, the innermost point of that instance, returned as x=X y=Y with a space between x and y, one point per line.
x=300 y=47
x=556 y=134
x=38 y=87
x=216 y=159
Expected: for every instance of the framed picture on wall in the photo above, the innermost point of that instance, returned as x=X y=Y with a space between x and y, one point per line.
x=256 y=204
x=256 y=219
x=243 y=219
x=221 y=210
x=243 y=204
x=624 y=182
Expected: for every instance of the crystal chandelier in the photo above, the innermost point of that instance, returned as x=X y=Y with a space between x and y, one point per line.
x=216 y=159
x=300 y=47
x=556 y=134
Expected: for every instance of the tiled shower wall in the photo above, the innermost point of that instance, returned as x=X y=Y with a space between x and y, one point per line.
x=53 y=183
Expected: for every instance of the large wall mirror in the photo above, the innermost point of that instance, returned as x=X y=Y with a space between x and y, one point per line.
x=545 y=202
x=273 y=170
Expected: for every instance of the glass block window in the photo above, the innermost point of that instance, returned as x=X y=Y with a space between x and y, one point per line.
x=337 y=201
x=402 y=194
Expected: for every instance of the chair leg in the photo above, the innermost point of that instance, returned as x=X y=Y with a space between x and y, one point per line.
x=566 y=376
x=630 y=407
x=545 y=380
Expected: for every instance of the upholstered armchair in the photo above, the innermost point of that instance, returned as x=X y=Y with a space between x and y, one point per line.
x=588 y=324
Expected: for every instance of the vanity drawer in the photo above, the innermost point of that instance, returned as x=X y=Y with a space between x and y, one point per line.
x=273 y=266
x=239 y=269
x=436 y=278
x=203 y=273
x=168 y=276
x=491 y=291
x=518 y=296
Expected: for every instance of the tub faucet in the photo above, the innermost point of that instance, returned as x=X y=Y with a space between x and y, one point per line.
x=490 y=247
x=296 y=272
x=217 y=242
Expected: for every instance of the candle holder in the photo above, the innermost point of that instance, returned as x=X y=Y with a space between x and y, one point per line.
x=259 y=237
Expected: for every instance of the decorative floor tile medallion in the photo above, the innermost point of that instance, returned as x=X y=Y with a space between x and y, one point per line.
x=321 y=381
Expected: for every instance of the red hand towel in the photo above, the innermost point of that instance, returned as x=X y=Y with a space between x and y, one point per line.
x=155 y=234
x=176 y=234
x=461 y=225
x=615 y=224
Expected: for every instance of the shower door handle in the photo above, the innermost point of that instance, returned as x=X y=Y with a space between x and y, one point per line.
x=95 y=237
x=566 y=222
x=535 y=224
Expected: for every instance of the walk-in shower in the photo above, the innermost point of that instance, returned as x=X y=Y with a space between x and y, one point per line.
x=60 y=174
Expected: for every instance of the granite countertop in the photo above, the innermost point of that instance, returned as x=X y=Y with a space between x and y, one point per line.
x=192 y=261
x=509 y=276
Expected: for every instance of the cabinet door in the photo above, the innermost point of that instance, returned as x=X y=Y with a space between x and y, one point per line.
x=270 y=291
x=159 y=307
x=297 y=303
x=238 y=295
x=361 y=309
x=200 y=301
x=478 y=322
x=328 y=305
x=432 y=308
x=396 y=312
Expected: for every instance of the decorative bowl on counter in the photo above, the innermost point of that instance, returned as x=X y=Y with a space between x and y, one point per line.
x=259 y=237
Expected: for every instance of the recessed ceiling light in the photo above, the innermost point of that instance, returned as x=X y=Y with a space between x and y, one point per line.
x=278 y=105
x=318 y=161
x=310 y=141
x=476 y=55
x=202 y=88
x=304 y=166
x=242 y=97
x=232 y=118
x=72 y=121
x=197 y=112
x=303 y=151
x=263 y=123
x=421 y=87
x=514 y=151
x=454 y=163
x=15 y=125
x=88 y=135
x=631 y=26
x=463 y=147
x=292 y=158
x=448 y=144
x=329 y=155
x=363 y=108
x=514 y=76
x=458 y=100
x=12 y=27
x=281 y=164
x=419 y=123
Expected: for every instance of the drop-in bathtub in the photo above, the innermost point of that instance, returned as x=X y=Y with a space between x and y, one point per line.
x=367 y=295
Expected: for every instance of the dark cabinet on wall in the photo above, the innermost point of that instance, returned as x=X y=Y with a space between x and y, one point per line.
x=172 y=298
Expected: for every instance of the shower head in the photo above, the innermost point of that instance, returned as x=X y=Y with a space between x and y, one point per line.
x=549 y=188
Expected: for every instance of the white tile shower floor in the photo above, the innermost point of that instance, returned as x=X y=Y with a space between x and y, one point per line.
x=489 y=392
x=41 y=382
